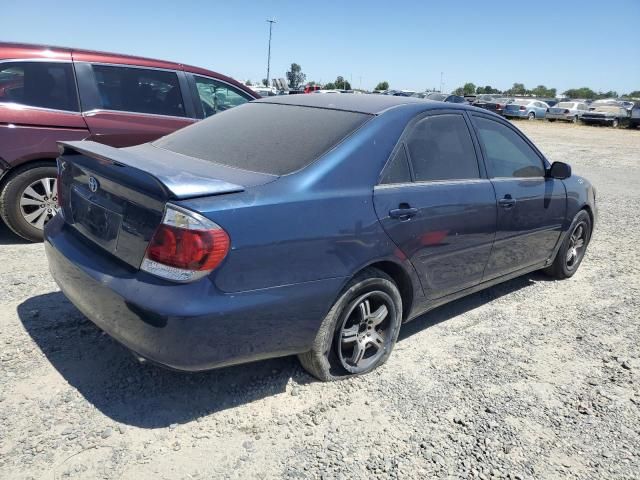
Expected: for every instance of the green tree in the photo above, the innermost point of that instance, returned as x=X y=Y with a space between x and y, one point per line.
x=634 y=94
x=469 y=88
x=582 y=92
x=542 y=91
x=329 y=86
x=487 y=89
x=518 y=89
x=265 y=82
x=382 y=86
x=295 y=77
x=459 y=91
x=341 y=84
x=248 y=83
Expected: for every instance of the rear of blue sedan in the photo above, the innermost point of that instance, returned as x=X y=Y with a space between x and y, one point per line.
x=216 y=245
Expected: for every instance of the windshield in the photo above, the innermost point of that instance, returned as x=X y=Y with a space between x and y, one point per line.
x=264 y=137
x=437 y=96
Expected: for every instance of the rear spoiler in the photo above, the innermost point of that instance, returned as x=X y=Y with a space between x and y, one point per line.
x=180 y=176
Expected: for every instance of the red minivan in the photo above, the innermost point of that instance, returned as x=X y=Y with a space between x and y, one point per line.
x=49 y=94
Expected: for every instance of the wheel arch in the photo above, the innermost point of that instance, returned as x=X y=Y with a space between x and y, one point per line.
x=402 y=279
x=17 y=169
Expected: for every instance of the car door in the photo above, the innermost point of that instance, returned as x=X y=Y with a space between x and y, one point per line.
x=38 y=107
x=531 y=206
x=126 y=105
x=435 y=203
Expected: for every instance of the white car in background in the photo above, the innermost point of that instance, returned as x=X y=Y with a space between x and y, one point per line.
x=567 y=111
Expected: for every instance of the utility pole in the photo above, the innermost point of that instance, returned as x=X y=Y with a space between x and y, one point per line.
x=441 y=85
x=270 y=21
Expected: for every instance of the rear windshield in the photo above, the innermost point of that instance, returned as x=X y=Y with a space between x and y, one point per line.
x=264 y=137
x=565 y=105
x=522 y=102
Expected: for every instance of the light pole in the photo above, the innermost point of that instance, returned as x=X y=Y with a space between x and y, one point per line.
x=270 y=21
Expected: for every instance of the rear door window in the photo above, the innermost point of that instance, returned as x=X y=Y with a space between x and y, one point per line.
x=506 y=152
x=440 y=148
x=217 y=97
x=139 y=90
x=39 y=84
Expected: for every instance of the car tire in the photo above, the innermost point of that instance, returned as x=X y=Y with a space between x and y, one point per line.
x=531 y=116
x=615 y=123
x=575 y=119
x=573 y=248
x=359 y=332
x=551 y=119
x=22 y=216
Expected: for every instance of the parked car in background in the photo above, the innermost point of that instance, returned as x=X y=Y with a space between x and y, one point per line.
x=176 y=248
x=610 y=113
x=634 y=119
x=493 y=103
x=264 y=91
x=440 y=97
x=524 y=108
x=49 y=94
x=567 y=111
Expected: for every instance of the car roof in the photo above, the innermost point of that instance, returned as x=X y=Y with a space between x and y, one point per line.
x=23 y=51
x=369 y=104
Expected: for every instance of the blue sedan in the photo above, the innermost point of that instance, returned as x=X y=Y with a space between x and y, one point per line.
x=529 y=109
x=313 y=225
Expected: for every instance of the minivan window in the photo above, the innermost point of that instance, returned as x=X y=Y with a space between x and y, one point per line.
x=217 y=96
x=506 y=153
x=39 y=84
x=440 y=148
x=139 y=90
x=282 y=138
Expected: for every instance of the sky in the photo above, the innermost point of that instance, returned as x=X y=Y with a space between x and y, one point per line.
x=562 y=44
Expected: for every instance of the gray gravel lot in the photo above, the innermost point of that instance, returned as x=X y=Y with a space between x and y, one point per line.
x=530 y=379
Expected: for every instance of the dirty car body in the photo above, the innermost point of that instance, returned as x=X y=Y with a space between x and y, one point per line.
x=300 y=216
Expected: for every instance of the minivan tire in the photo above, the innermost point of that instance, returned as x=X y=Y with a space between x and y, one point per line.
x=326 y=360
x=13 y=189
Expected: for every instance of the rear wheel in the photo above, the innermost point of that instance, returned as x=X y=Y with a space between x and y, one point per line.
x=575 y=119
x=359 y=332
x=29 y=200
x=531 y=116
x=573 y=248
x=615 y=123
x=551 y=119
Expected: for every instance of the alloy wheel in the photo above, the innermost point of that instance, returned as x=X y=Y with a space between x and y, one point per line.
x=39 y=202
x=365 y=334
x=531 y=116
x=577 y=244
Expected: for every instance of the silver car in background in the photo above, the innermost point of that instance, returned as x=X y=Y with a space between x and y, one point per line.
x=568 y=111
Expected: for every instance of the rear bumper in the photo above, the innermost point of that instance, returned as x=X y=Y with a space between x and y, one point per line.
x=597 y=120
x=515 y=114
x=560 y=116
x=185 y=326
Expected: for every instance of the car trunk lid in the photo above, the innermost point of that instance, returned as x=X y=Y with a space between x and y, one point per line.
x=115 y=198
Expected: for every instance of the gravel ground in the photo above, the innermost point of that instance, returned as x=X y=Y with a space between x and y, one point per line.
x=530 y=379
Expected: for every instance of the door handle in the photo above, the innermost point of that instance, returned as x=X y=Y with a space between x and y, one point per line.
x=507 y=201
x=403 y=212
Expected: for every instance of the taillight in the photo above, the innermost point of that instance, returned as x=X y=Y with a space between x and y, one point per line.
x=523 y=108
x=185 y=246
x=499 y=107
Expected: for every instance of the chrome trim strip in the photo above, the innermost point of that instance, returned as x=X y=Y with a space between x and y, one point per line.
x=95 y=111
x=431 y=182
x=21 y=106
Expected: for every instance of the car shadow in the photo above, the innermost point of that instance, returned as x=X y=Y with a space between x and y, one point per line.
x=147 y=396
x=7 y=237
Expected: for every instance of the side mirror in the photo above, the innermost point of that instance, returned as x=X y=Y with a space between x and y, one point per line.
x=559 y=170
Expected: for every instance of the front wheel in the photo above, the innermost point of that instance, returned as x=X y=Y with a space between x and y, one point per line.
x=575 y=119
x=29 y=200
x=615 y=123
x=551 y=119
x=359 y=332
x=573 y=248
x=531 y=116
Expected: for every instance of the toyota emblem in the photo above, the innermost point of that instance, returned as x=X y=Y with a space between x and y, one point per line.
x=93 y=184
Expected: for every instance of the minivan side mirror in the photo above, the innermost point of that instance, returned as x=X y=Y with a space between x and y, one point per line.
x=559 y=170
